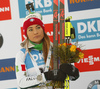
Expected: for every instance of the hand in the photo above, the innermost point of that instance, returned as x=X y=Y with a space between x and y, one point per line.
x=71 y=70
x=61 y=76
x=50 y=75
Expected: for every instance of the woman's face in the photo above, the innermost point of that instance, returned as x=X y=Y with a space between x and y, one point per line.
x=35 y=33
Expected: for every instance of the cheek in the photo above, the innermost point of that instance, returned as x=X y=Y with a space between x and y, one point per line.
x=42 y=34
x=30 y=36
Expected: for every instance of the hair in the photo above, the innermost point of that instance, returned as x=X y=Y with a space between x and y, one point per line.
x=46 y=46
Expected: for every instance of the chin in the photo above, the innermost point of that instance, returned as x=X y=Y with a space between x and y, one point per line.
x=38 y=42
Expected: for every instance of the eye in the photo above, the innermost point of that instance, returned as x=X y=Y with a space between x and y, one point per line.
x=38 y=27
x=30 y=29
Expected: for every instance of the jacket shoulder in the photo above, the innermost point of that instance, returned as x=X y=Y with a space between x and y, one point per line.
x=23 y=50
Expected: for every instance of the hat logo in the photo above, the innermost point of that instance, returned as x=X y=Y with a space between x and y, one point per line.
x=31 y=20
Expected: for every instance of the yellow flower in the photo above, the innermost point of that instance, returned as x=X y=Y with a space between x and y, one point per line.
x=59 y=45
x=73 y=48
x=81 y=55
x=64 y=44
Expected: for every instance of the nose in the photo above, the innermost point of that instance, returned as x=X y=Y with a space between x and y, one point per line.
x=35 y=31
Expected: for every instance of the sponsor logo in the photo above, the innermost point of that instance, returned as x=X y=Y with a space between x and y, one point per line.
x=94 y=85
x=1 y=40
x=43 y=7
x=55 y=17
x=7 y=69
x=90 y=62
x=77 y=5
x=30 y=79
x=62 y=14
x=5 y=11
x=88 y=29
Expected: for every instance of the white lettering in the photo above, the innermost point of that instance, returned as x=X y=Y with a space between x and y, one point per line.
x=79 y=25
x=38 y=3
x=98 y=34
x=90 y=36
x=50 y=33
x=96 y=82
x=81 y=37
x=44 y=10
x=47 y=3
x=96 y=59
x=40 y=55
x=98 y=24
x=1 y=9
x=91 y=26
x=86 y=60
x=81 y=60
x=4 y=9
x=28 y=1
x=39 y=11
x=90 y=86
x=89 y=60
x=35 y=57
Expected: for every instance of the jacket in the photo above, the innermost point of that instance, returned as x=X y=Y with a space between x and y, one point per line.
x=25 y=70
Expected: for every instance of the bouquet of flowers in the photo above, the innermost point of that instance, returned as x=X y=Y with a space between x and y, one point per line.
x=69 y=53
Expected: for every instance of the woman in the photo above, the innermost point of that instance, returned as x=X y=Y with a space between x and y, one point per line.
x=33 y=60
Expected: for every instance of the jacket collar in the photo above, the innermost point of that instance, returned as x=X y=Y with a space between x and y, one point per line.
x=26 y=44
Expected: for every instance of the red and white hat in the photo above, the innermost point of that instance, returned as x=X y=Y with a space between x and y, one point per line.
x=32 y=19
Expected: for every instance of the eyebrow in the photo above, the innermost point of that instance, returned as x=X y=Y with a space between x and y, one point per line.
x=30 y=27
x=37 y=25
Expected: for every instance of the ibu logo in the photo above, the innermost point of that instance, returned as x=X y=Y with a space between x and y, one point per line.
x=44 y=7
x=88 y=29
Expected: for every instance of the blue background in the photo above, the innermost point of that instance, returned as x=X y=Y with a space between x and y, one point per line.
x=83 y=5
x=7 y=63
